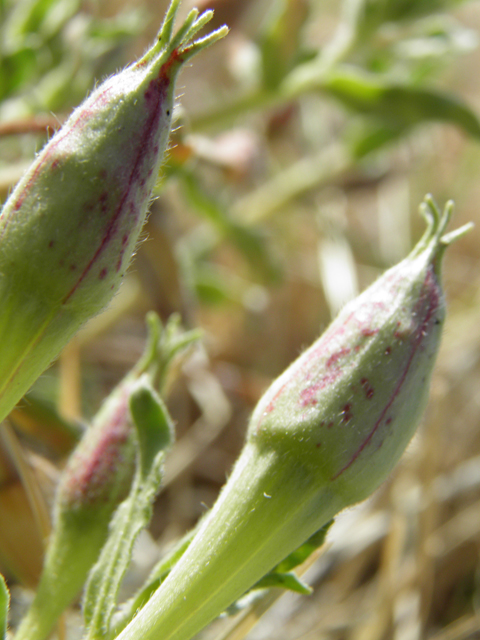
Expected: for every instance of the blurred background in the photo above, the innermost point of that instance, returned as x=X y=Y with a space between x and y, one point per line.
x=303 y=145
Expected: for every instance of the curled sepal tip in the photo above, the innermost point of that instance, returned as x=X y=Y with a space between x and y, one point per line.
x=435 y=239
x=182 y=46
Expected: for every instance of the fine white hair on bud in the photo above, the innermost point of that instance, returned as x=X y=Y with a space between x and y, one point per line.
x=324 y=436
x=69 y=228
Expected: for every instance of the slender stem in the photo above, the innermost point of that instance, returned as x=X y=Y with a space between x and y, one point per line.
x=255 y=523
x=307 y=173
x=304 y=78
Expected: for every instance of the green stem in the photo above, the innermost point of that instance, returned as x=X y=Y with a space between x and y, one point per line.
x=60 y=577
x=307 y=173
x=304 y=78
x=266 y=510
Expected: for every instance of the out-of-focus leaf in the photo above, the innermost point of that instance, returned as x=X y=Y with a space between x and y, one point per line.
x=57 y=15
x=413 y=9
x=373 y=139
x=280 y=39
x=17 y=68
x=211 y=286
x=4 y=604
x=288 y=581
x=436 y=38
x=250 y=242
x=41 y=17
x=396 y=104
x=374 y=13
x=50 y=53
x=54 y=89
x=119 y=27
x=429 y=47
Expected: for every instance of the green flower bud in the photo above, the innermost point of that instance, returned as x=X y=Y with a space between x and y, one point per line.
x=324 y=436
x=99 y=475
x=349 y=405
x=96 y=479
x=69 y=228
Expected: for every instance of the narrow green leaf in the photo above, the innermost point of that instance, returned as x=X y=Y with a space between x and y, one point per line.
x=289 y=581
x=157 y=576
x=213 y=286
x=299 y=556
x=250 y=242
x=396 y=104
x=4 y=605
x=415 y=9
x=154 y=426
x=372 y=139
x=155 y=429
x=280 y=39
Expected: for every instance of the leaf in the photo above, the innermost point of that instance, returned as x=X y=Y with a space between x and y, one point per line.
x=16 y=68
x=4 y=606
x=414 y=9
x=374 y=14
x=33 y=16
x=372 y=138
x=289 y=581
x=250 y=242
x=212 y=286
x=280 y=39
x=282 y=575
x=299 y=556
x=155 y=579
x=396 y=104
x=154 y=428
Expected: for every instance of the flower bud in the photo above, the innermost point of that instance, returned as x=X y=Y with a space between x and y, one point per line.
x=96 y=479
x=349 y=405
x=324 y=436
x=99 y=475
x=69 y=228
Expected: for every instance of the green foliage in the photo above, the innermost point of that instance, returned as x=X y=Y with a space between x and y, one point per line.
x=250 y=242
x=154 y=429
x=394 y=107
x=280 y=40
x=45 y=44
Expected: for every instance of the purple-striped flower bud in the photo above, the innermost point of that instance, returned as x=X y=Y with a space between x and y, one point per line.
x=349 y=405
x=69 y=228
x=323 y=437
x=98 y=476
x=96 y=479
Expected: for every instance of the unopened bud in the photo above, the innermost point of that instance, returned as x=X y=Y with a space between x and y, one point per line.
x=349 y=405
x=69 y=228
x=324 y=436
